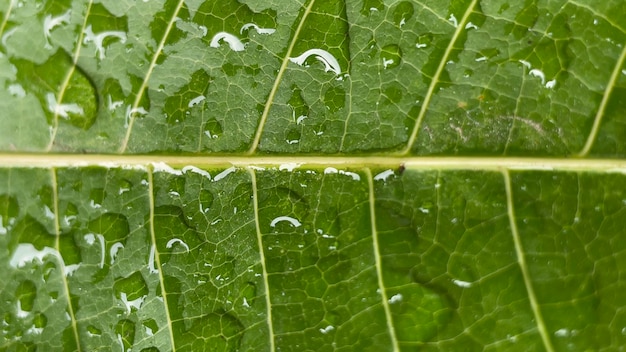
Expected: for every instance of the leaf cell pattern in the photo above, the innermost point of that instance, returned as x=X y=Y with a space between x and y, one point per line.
x=241 y=250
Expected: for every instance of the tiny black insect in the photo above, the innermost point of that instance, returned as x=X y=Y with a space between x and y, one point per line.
x=401 y=169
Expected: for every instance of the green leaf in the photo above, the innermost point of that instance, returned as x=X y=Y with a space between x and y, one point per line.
x=322 y=175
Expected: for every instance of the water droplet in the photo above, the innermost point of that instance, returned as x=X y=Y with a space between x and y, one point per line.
x=150 y=326
x=9 y=210
x=189 y=100
x=293 y=136
x=93 y=331
x=300 y=110
x=105 y=33
x=79 y=103
x=335 y=99
x=403 y=13
x=40 y=321
x=69 y=213
x=96 y=197
x=371 y=6
x=132 y=291
x=213 y=129
x=391 y=56
x=205 y=199
x=25 y=293
x=327 y=59
x=424 y=40
x=248 y=295
x=109 y=231
x=150 y=349
x=125 y=331
x=173 y=222
x=124 y=186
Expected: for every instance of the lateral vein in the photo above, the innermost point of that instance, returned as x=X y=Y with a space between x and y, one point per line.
x=435 y=80
x=57 y=230
x=279 y=76
x=259 y=237
x=144 y=84
x=378 y=263
x=157 y=259
x=521 y=260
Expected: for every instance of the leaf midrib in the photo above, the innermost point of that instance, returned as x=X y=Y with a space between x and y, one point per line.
x=8 y=160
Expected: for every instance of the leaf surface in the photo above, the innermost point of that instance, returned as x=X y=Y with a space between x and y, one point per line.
x=322 y=175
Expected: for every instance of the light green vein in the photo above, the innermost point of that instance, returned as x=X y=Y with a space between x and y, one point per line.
x=157 y=259
x=144 y=84
x=521 y=260
x=279 y=76
x=603 y=104
x=57 y=233
x=66 y=80
x=435 y=80
x=7 y=13
x=378 y=263
x=259 y=238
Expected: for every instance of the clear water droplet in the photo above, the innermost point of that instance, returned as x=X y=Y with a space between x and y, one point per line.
x=248 y=294
x=125 y=332
x=40 y=321
x=150 y=349
x=94 y=331
x=26 y=292
x=9 y=210
x=403 y=13
x=131 y=290
x=79 y=103
x=391 y=56
x=189 y=100
x=96 y=197
x=293 y=136
x=213 y=129
x=300 y=110
x=151 y=327
x=372 y=6
x=205 y=199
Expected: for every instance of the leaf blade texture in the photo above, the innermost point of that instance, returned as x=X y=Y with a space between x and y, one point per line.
x=353 y=175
